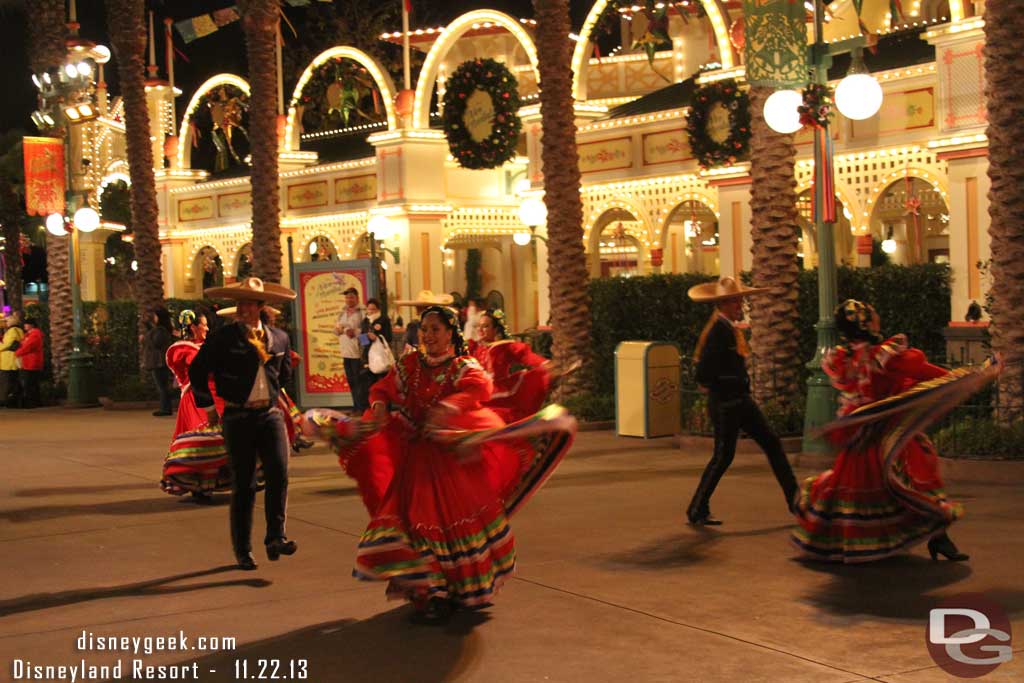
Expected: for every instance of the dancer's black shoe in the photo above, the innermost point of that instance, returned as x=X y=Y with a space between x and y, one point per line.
x=246 y=562
x=279 y=547
x=942 y=545
x=437 y=611
x=704 y=519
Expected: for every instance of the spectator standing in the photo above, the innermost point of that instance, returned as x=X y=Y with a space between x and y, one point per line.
x=10 y=340
x=348 y=329
x=375 y=326
x=30 y=357
x=155 y=342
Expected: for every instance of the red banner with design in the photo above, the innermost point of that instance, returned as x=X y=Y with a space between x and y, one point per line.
x=44 y=176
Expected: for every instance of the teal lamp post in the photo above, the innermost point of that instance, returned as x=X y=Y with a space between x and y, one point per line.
x=858 y=96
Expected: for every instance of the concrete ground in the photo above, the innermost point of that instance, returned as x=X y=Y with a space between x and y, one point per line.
x=611 y=584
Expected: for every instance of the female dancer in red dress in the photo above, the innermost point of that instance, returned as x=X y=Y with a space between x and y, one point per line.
x=884 y=493
x=521 y=378
x=197 y=461
x=441 y=474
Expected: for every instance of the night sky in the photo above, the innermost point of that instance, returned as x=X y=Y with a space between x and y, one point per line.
x=222 y=51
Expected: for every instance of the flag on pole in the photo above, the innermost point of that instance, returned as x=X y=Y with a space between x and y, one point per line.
x=44 y=175
x=776 y=43
x=223 y=17
x=205 y=24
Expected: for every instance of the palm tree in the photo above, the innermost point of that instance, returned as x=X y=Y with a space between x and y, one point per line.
x=126 y=26
x=12 y=214
x=47 y=48
x=774 y=319
x=259 y=20
x=1004 y=72
x=567 y=265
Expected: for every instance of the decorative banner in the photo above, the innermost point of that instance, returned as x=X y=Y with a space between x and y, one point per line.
x=776 y=43
x=44 y=176
x=665 y=148
x=195 y=209
x=361 y=188
x=234 y=204
x=320 y=285
x=606 y=155
x=900 y=111
x=307 y=195
x=479 y=116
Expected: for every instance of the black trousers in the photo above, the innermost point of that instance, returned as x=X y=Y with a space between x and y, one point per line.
x=30 y=387
x=12 y=389
x=354 y=375
x=252 y=434
x=728 y=418
x=162 y=379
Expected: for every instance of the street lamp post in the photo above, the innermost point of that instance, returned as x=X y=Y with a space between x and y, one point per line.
x=66 y=95
x=858 y=97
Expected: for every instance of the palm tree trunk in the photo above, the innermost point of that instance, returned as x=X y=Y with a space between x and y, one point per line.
x=259 y=20
x=47 y=31
x=12 y=209
x=774 y=318
x=1004 y=72
x=126 y=25
x=567 y=264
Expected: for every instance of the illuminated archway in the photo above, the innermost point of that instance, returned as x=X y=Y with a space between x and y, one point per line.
x=580 y=55
x=449 y=35
x=377 y=72
x=185 y=134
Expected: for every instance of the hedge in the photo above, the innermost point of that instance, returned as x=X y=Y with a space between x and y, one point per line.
x=914 y=300
x=114 y=343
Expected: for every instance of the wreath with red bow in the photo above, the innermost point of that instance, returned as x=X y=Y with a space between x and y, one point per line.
x=498 y=82
x=736 y=145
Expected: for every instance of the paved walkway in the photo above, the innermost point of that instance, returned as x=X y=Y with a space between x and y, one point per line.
x=611 y=584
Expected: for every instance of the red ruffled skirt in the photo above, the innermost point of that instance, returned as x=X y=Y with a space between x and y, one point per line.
x=439 y=516
x=197 y=460
x=866 y=508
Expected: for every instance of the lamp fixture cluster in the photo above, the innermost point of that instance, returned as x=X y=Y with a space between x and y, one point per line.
x=66 y=92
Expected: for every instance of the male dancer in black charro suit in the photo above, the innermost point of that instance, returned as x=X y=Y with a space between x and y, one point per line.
x=722 y=369
x=249 y=363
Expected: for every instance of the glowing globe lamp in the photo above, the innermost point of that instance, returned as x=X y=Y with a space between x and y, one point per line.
x=859 y=96
x=780 y=111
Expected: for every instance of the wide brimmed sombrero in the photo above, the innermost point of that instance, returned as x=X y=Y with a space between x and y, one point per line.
x=725 y=288
x=229 y=311
x=251 y=289
x=427 y=298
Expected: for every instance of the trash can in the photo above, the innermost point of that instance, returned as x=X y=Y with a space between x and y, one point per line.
x=647 y=389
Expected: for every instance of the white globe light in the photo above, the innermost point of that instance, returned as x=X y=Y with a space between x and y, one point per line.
x=313 y=247
x=84 y=69
x=380 y=227
x=101 y=53
x=86 y=219
x=780 y=111
x=533 y=211
x=521 y=238
x=858 y=96
x=889 y=246
x=55 y=225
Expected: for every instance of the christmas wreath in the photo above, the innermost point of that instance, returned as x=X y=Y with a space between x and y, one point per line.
x=707 y=150
x=339 y=93
x=480 y=114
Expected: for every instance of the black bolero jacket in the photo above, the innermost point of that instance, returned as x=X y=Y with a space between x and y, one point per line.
x=228 y=356
x=720 y=367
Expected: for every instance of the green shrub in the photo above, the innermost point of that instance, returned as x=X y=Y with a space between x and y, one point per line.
x=981 y=437
x=590 y=407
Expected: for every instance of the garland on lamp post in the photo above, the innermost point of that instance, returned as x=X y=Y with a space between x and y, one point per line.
x=480 y=120
x=736 y=145
x=817 y=108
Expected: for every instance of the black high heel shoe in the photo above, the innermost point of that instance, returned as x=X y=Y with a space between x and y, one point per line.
x=942 y=545
x=279 y=547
